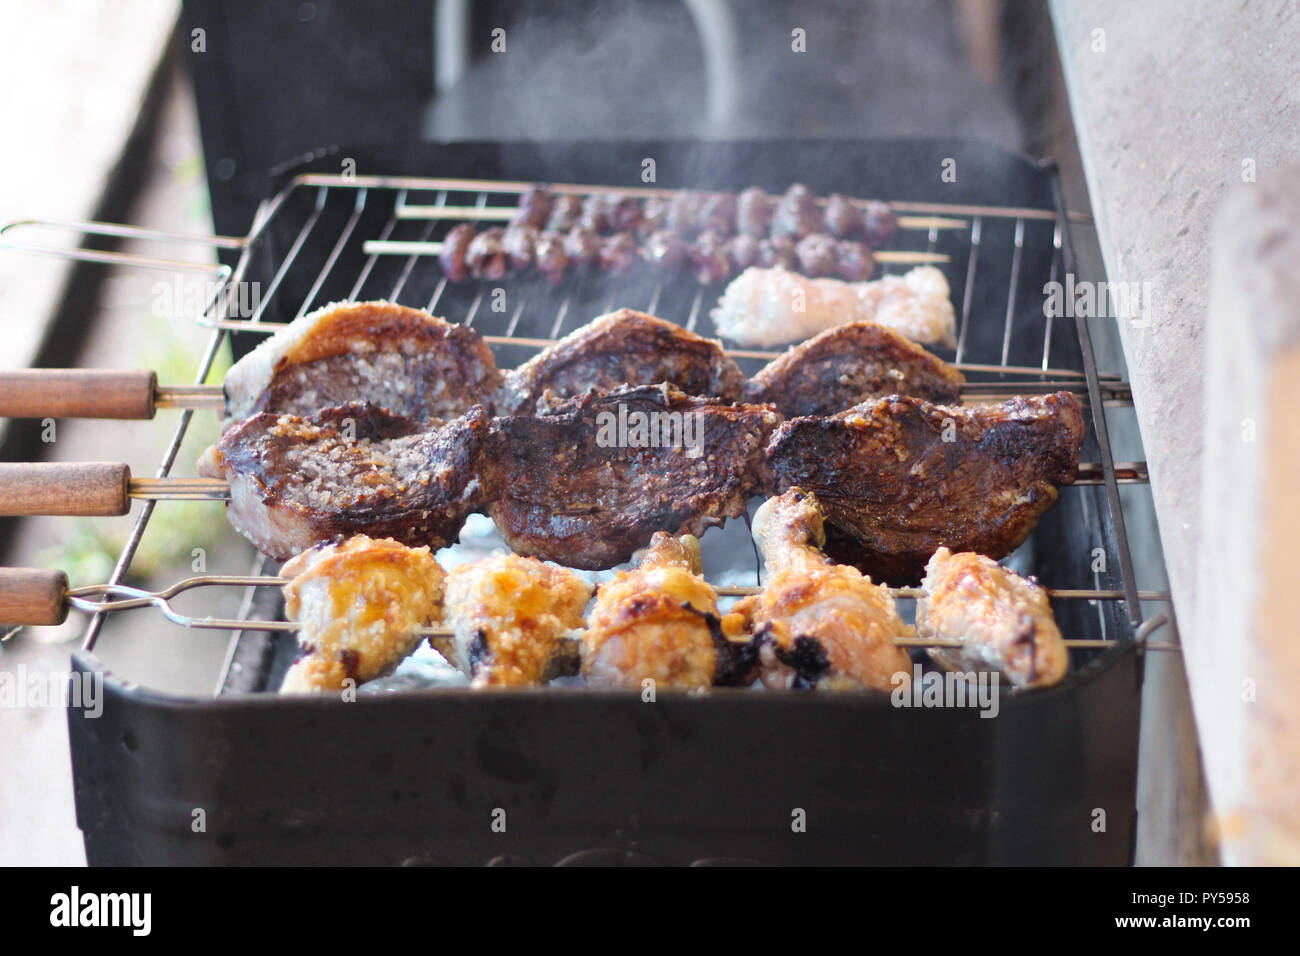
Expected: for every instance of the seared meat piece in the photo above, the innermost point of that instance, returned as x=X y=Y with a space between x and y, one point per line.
x=718 y=214
x=654 y=216
x=1004 y=621
x=486 y=256
x=455 y=246
x=358 y=604
x=777 y=253
x=658 y=622
x=665 y=249
x=754 y=213
x=535 y=205
x=622 y=348
x=853 y=261
x=796 y=214
x=817 y=255
x=774 y=306
x=818 y=624
x=509 y=616
x=295 y=482
x=595 y=214
x=684 y=211
x=843 y=219
x=565 y=213
x=899 y=477
x=742 y=251
x=624 y=213
x=399 y=358
x=552 y=261
x=849 y=364
x=618 y=253
x=709 y=260
x=590 y=480
x=878 y=223
x=582 y=246
x=520 y=244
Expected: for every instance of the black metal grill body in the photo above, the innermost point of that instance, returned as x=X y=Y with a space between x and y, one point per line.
x=587 y=776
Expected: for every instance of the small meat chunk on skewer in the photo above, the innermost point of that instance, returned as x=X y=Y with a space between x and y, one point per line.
x=358 y=605
x=486 y=257
x=510 y=616
x=818 y=624
x=1004 y=621
x=455 y=246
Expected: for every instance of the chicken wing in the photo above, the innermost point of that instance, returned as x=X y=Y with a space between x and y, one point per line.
x=1004 y=621
x=358 y=605
x=509 y=615
x=818 y=624
x=660 y=622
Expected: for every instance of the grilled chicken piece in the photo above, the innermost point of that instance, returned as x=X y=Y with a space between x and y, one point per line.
x=899 y=477
x=358 y=605
x=849 y=364
x=295 y=481
x=818 y=624
x=510 y=616
x=775 y=306
x=660 y=622
x=1003 y=620
x=622 y=348
x=399 y=358
x=587 y=482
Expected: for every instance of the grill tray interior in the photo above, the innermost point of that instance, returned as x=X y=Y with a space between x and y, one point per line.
x=416 y=777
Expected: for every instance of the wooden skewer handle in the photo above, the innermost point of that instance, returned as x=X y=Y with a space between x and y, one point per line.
x=77 y=393
x=85 y=488
x=33 y=596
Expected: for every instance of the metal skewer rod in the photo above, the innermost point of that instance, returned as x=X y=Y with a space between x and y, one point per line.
x=194 y=489
x=506 y=213
x=398 y=247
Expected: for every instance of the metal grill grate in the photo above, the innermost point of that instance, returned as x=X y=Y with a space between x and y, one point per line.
x=391 y=227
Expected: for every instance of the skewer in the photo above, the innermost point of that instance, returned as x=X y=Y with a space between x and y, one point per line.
x=506 y=213
x=103 y=489
x=37 y=597
x=136 y=394
x=397 y=247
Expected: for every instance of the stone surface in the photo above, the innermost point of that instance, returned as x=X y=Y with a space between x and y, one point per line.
x=1177 y=106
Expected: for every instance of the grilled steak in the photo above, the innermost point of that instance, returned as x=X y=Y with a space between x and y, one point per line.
x=295 y=481
x=402 y=359
x=849 y=364
x=588 y=481
x=623 y=348
x=899 y=477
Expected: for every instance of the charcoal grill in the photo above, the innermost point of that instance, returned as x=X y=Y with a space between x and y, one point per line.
x=588 y=776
